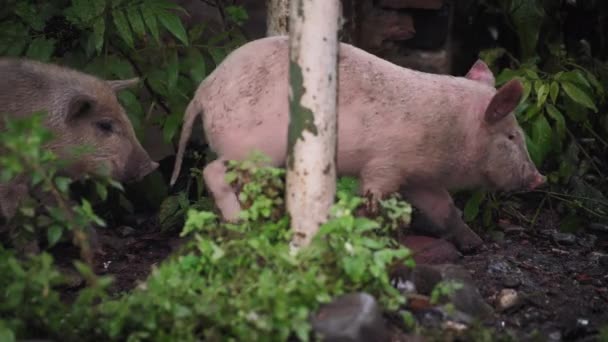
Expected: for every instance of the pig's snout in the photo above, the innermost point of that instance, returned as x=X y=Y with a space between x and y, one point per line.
x=138 y=168
x=537 y=180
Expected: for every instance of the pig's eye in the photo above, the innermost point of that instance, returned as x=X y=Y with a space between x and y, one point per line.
x=511 y=136
x=105 y=126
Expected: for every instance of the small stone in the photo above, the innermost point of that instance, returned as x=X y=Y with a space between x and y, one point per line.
x=555 y=336
x=126 y=231
x=513 y=229
x=598 y=227
x=506 y=299
x=351 y=317
x=564 y=238
x=454 y=326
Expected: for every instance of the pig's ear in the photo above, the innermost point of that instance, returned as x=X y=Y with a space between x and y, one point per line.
x=504 y=101
x=481 y=73
x=118 y=85
x=79 y=106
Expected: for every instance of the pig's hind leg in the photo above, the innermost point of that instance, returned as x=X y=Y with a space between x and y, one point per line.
x=223 y=194
x=441 y=217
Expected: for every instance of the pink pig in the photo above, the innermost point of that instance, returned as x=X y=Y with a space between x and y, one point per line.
x=398 y=129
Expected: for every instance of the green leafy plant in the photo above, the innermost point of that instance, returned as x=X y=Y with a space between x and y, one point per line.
x=28 y=165
x=564 y=100
x=231 y=281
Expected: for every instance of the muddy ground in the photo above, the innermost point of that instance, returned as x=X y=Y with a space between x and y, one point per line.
x=561 y=279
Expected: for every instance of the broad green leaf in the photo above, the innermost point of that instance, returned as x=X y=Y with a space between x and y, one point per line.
x=136 y=21
x=217 y=54
x=527 y=91
x=120 y=68
x=29 y=14
x=506 y=75
x=576 y=77
x=63 y=183
x=554 y=91
x=6 y=334
x=576 y=94
x=174 y=25
x=101 y=190
x=530 y=113
x=542 y=136
x=122 y=25
x=41 y=49
x=527 y=18
x=194 y=64
x=150 y=19
x=560 y=122
x=542 y=91
x=53 y=234
x=533 y=149
x=171 y=125
x=99 y=29
x=172 y=71
x=471 y=209
x=595 y=82
x=531 y=74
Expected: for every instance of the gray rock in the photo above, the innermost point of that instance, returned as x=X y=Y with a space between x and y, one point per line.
x=351 y=317
x=564 y=238
x=598 y=227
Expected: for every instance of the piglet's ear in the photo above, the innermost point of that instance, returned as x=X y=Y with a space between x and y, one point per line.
x=118 y=85
x=504 y=101
x=481 y=73
x=79 y=106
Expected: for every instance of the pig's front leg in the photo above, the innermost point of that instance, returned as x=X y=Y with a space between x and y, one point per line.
x=223 y=194
x=442 y=218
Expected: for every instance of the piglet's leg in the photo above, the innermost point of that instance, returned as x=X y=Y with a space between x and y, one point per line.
x=223 y=194
x=378 y=179
x=442 y=218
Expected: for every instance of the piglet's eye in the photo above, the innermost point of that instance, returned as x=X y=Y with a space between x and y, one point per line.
x=511 y=136
x=105 y=126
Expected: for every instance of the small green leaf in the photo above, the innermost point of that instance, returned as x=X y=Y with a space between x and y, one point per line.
x=171 y=125
x=150 y=20
x=54 y=234
x=527 y=91
x=6 y=334
x=41 y=49
x=576 y=94
x=194 y=64
x=560 y=121
x=63 y=183
x=102 y=191
x=122 y=25
x=99 y=28
x=174 y=25
x=172 y=71
x=554 y=91
x=136 y=21
x=471 y=209
x=542 y=91
x=542 y=136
